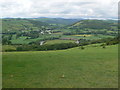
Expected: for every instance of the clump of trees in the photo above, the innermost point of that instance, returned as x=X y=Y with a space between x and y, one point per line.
x=104 y=47
x=61 y=46
x=10 y=50
x=107 y=41
x=5 y=41
x=34 y=47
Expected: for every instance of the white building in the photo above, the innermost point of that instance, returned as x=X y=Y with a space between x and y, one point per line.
x=77 y=42
x=42 y=32
x=42 y=42
x=49 y=31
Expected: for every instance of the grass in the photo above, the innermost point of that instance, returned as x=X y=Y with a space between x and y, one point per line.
x=23 y=40
x=93 y=67
x=8 y=47
x=58 y=41
x=20 y=40
x=59 y=33
x=92 y=37
x=84 y=35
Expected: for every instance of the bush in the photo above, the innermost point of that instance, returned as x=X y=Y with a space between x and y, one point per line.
x=10 y=50
x=104 y=47
x=19 y=49
x=82 y=47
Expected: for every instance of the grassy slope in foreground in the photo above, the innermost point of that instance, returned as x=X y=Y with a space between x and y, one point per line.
x=91 y=67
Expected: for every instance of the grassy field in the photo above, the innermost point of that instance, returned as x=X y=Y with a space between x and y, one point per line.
x=93 y=67
x=24 y=40
x=8 y=47
x=58 y=41
x=85 y=35
x=92 y=37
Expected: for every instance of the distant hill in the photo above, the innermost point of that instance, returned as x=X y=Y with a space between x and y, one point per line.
x=103 y=27
x=94 y=24
x=16 y=24
x=60 y=21
x=22 y=24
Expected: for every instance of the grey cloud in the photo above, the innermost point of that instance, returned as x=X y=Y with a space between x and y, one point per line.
x=62 y=8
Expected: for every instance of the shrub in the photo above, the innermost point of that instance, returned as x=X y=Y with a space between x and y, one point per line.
x=19 y=48
x=82 y=47
x=10 y=50
x=104 y=47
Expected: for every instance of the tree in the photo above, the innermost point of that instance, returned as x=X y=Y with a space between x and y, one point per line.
x=103 y=47
x=5 y=41
x=82 y=47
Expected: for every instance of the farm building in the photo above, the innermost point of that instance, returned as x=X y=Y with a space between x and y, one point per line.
x=77 y=42
x=42 y=42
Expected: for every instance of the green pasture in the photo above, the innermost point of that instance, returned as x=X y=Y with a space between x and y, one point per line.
x=92 y=67
x=92 y=37
x=58 y=41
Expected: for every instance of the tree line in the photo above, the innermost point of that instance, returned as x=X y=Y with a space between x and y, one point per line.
x=61 y=46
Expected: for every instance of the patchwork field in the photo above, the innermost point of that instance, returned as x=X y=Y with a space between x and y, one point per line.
x=92 y=67
x=58 y=41
x=85 y=35
x=8 y=47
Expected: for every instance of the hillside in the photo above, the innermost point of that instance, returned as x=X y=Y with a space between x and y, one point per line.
x=17 y=24
x=93 y=67
x=58 y=21
x=25 y=31
x=14 y=25
x=39 y=54
x=94 y=27
x=95 y=24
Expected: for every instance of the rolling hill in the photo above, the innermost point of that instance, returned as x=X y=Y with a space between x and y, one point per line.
x=95 y=24
x=58 y=21
x=13 y=25
x=93 y=67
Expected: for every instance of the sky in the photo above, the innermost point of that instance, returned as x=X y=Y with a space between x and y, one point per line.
x=90 y=9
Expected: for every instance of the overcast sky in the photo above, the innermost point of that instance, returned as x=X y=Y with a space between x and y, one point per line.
x=101 y=9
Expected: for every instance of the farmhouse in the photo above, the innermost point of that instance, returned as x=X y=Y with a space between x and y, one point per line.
x=42 y=42
x=42 y=32
x=48 y=31
x=77 y=42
